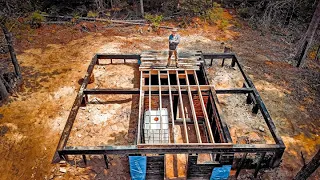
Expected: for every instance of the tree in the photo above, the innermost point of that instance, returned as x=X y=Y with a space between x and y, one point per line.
x=309 y=168
x=3 y=90
x=306 y=41
x=141 y=7
x=14 y=60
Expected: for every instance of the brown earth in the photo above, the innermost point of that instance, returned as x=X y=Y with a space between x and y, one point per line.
x=54 y=58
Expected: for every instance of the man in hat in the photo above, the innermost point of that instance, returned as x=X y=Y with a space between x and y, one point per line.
x=174 y=40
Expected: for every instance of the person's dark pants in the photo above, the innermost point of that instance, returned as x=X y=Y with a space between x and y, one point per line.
x=175 y=57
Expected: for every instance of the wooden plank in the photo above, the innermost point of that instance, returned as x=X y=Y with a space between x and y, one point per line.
x=205 y=114
x=164 y=76
x=182 y=109
x=195 y=120
x=117 y=56
x=218 y=112
x=160 y=105
x=149 y=102
x=171 y=109
x=165 y=68
x=183 y=87
x=140 y=110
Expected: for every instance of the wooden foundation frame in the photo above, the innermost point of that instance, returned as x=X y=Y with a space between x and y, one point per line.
x=223 y=146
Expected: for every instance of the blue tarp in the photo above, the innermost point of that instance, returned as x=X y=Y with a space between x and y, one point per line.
x=138 y=167
x=220 y=173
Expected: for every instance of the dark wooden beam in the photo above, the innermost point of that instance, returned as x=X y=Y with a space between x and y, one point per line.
x=261 y=105
x=171 y=149
x=112 y=91
x=74 y=110
x=218 y=55
x=234 y=91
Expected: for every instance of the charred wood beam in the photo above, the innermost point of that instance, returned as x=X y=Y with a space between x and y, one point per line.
x=74 y=110
x=261 y=105
x=112 y=91
x=218 y=55
x=234 y=91
x=190 y=148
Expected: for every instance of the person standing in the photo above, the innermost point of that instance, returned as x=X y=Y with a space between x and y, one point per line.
x=174 y=40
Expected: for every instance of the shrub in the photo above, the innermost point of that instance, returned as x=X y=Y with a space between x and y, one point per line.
x=216 y=16
x=75 y=18
x=36 y=18
x=154 y=20
x=244 y=12
x=92 y=14
x=223 y=24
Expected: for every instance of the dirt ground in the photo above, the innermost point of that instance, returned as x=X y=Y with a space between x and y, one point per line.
x=54 y=59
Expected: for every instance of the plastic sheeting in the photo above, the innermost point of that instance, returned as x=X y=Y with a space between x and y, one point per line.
x=220 y=173
x=138 y=167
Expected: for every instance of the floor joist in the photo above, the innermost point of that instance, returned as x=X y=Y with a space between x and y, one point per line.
x=205 y=114
x=195 y=119
x=182 y=109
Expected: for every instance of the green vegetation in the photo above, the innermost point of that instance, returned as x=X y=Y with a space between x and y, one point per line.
x=36 y=18
x=215 y=16
x=92 y=14
x=155 y=20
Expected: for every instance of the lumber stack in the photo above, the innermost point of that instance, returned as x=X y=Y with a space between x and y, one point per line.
x=159 y=59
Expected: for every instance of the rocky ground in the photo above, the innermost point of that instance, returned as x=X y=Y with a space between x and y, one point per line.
x=54 y=59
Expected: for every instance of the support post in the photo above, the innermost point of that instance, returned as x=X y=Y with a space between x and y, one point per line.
x=233 y=62
x=276 y=160
x=85 y=100
x=259 y=164
x=106 y=161
x=84 y=159
x=255 y=109
x=243 y=159
x=249 y=99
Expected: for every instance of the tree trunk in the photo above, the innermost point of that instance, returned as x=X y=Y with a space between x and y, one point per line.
x=14 y=60
x=3 y=91
x=141 y=7
x=306 y=41
x=308 y=169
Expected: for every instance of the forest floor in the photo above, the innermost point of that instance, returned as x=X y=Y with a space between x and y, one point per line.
x=54 y=58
